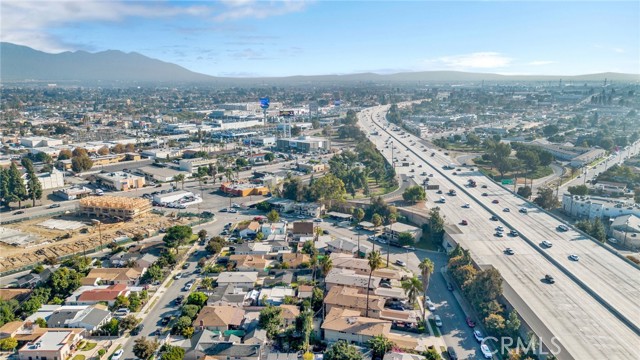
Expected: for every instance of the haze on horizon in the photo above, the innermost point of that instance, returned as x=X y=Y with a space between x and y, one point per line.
x=251 y=38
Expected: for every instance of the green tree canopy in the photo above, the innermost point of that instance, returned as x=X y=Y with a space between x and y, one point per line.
x=413 y=194
x=342 y=351
x=270 y=319
x=143 y=348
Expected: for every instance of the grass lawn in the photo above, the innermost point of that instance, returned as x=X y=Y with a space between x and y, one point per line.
x=89 y=346
x=540 y=172
x=79 y=357
x=426 y=245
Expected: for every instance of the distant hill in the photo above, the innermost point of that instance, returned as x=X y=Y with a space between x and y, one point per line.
x=24 y=64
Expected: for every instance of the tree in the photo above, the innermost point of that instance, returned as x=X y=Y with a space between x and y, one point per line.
x=412 y=288
x=137 y=237
x=197 y=298
x=380 y=345
x=143 y=348
x=8 y=344
x=111 y=328
x=81 y=163
x=546 y=199
x=177 y=235
x=426 y=269
x=34 y=187
x=270 y=319
x=525 y=192
x=202 y=234
x=17 y=191
x=358 y=213
x=376 y=220
x=432 y=354
x=80 y=152
x=169 y=352
x=499 y=156
x=326 y=264
x=269 y=157
x=41 y=322
x=190 y=310
x=512 y=325
x=375 y=262
x=405 y=238
x=103 y=151
x=413 y=194
x=119 y=149
x=153 y=273
x=64 y=281
x=578 y=190
x=550 y=130
x=485 y=287
x=183 y=327
x=129 y=322
x=342 y=351
x=494 y=324
x=436 y=225
x=65 y=154
x=328 y=188
x=273 y=216
x=179 y=178
x=242 y=162
x=121 y=302
x=473 y=140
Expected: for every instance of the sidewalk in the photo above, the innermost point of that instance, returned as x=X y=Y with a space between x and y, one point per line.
x=431 y=339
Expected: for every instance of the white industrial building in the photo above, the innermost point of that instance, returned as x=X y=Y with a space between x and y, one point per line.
x=589 y=207
x=171 y=197
x=191 y=165
x=39 y=141
x=51 y=180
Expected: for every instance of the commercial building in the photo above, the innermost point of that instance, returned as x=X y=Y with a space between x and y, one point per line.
x=163 y=199
x=191 y=165
x=120 y=181
x=391 y=232
x=591 y=207
x=312 y=168
x=120 y=208
x=160 y=174
x=243 y=189
x=73 y=193
x=626 y=231
x=50 y=180
x=578 y=156
x=304 y=144
x=39 y=141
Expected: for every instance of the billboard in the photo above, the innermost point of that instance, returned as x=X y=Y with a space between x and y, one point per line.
x=264 y=102
x=337 y=103
x=286 y=113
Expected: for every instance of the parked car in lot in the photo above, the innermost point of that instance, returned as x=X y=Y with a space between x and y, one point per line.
x=452 y=353
x=478 y=335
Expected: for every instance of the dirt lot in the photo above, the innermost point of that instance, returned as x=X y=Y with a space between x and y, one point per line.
x=57 y=243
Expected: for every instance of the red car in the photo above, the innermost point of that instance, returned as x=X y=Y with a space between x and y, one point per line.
x=470 y=322
x=495 y=201
x=464 y=222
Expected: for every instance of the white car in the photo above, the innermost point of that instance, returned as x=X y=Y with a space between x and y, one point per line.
x=117 y=355
x=574 y=257
x=431 y=306
x=401 y=263
x=437 y=320
x=486 y=352
x=318 y=220
x=466 y=206
x=478 y=335
x=547 y=244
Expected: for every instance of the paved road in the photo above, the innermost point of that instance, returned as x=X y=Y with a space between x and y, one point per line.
x=563 y=307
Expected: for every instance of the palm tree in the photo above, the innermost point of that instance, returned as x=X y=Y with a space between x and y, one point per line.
x=179 y=178
x=391 y=219
x=326 y=264
x=375 y=263
x=228 y=173
x=426 y=268
x=412 y=288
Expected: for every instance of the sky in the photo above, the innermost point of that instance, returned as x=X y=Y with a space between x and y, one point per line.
x=246 y=38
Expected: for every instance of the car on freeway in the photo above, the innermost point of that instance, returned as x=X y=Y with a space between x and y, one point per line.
x=464 y=222
x=496 y=201
x=524 y=210
x=513 y=233
x=549 y=279
x=509 y=251
x=563 y=227
x=401 y=263
x=546 y=243
x=431 y=306
x=449 y=287
x=574 y=257
x=470 y=322
x=493 y=218
x=466 y=206
x=437 y=320
x=484 y=186
x=485 y=194
x=486 y=352
x=506 y=210
x=53 y=206
x=452 y=353
x=498 y=234
x=500 y=228
x=18 y=212
x=117 y=355
x=478 y=335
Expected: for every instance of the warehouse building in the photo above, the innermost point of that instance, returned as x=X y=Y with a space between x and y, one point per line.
x=119 y=208
x=304 y=144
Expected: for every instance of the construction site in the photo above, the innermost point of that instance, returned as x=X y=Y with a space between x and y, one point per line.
x=32 y=241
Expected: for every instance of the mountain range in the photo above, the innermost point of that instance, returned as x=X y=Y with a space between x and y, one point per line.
x=24 y=64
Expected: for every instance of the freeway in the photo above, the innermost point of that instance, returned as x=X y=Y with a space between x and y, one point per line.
x=598 y=289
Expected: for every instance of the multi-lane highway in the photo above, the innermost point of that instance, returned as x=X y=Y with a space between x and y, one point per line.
x=591 y=310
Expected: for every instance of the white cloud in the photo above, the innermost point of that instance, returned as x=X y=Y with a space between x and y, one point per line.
x=619 y=50
x=478 y=60
x=541 y=62
x=29 y=22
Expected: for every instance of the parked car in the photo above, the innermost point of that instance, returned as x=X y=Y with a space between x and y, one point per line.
x=478 y=335
x=137 y=329
x=470 y=322
x=486 y=352
x=185 y=265
x=18 y=212
x=165 y=320
x=401 y=263
x=53 y=206
x=431 y=306
x=452 y=353
x=117 y=355
x=437 y=320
